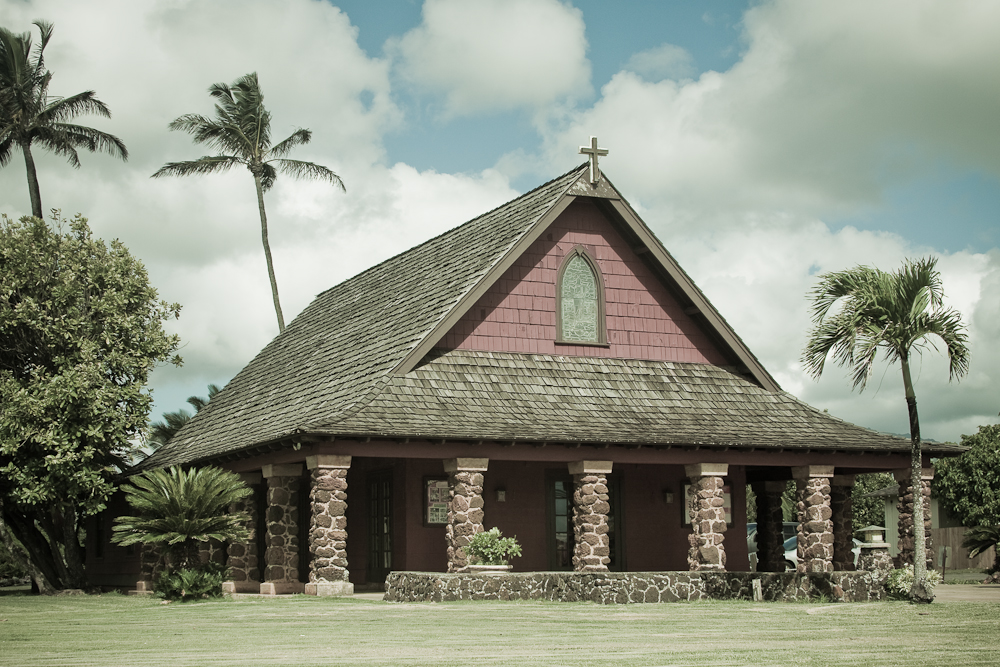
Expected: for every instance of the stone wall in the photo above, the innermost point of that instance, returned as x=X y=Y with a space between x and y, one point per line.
x=633 y=587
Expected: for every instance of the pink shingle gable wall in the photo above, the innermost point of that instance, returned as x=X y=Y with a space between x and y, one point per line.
x=518 y=313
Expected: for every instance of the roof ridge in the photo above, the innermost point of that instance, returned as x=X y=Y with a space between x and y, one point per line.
x=452 y=230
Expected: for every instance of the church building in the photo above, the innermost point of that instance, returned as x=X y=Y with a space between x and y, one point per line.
x=546 y=368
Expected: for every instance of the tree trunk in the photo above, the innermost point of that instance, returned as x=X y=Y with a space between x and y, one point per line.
x=72 y=554
x=44 y=572
x=267 y=252
x=33 y=191
x=919 y=592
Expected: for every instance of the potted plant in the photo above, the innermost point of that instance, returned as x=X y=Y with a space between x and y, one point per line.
x=489 y=551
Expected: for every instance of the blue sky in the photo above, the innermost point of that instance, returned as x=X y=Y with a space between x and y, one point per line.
x=763 y=142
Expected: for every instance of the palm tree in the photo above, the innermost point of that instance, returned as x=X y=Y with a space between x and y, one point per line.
x=160 y=432
x=179 y=509
x=242 y=131
x=979 y=539
x=29 y=115
x=896 y=312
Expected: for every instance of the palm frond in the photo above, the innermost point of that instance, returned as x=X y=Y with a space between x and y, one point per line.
x=65 y=108
x=894 y=312
x=175 y=508
x=208 y=164
x=300 y=169
x=268 y=176
x=980 y=538
x=94 y=140
x=300 y=137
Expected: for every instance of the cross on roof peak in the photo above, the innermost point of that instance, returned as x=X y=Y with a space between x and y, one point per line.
x=593 y=151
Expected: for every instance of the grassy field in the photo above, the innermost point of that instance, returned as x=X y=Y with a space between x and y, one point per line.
x=299 y=630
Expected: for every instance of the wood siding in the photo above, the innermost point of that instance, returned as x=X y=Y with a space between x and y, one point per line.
x=518 y=313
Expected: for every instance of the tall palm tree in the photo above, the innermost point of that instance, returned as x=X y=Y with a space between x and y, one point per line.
x=242 y=131
x=29 y=115
x=160 y=432
x=896 y=312
x=178 y=509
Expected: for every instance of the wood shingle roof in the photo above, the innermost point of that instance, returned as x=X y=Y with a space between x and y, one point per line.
x=359 y=360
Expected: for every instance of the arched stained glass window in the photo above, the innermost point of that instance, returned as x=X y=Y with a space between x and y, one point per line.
x=581 y=310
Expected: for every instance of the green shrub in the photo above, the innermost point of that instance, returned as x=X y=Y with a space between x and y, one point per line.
x=194 y=583
x=9 y=568
x=489 y=548
x=900 y=581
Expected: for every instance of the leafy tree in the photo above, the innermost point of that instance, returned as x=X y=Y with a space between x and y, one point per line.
x=160 y=432
x=80 y=330
x=29 y=115
x=968 y=485
x=242 y=131
x=869 y=511
x=897 y=313
x=178 y=509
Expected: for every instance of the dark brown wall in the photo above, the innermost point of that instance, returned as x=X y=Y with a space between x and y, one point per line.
x=116 y=566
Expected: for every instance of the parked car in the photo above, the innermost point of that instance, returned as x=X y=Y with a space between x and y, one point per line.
x=789 y=529
x=792 y=552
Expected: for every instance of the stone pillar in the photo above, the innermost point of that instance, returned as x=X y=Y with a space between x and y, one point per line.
x=842 y=516
x=281 y=566
x=244 y=570
x=592 y=544
x=815 y=518
x=770 y=536
x=875 y=557
x=706 y=502
x=465 y=509
x=905 y=507
x=150 y=565
x=328 y=575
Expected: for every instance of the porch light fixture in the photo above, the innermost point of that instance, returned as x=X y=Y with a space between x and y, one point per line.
x=668 y=497
x=501 y=495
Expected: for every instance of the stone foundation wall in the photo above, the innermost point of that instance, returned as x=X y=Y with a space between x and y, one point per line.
x=633 y=587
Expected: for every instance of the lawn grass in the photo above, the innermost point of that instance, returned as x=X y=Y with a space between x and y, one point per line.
x=302 y=631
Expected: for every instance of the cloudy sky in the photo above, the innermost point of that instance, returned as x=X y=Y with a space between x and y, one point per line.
x=763 y=142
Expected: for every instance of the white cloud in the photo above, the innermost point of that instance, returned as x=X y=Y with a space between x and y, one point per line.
x=667 y=61
x=831 y=103
x=491 y=55
x=200 y=236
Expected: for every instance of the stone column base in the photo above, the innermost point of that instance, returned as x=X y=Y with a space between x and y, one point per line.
x=329 y=589
x=230 y=587
x=142 y=588
x=281 y=587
